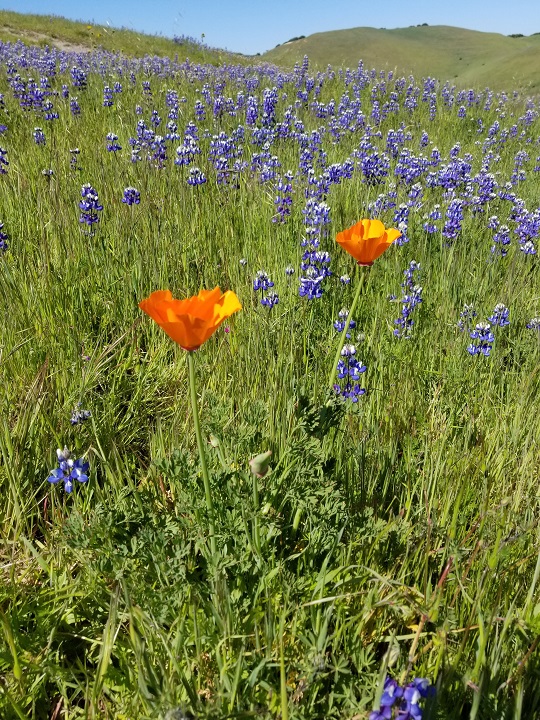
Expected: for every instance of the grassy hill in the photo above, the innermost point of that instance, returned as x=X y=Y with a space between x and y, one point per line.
x=466 y=57
x=81 y=36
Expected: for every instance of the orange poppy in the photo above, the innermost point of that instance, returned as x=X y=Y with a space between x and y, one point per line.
x=192 y=321
x=367 y=240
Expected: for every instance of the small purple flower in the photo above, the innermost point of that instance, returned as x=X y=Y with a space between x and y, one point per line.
x=68 y=470
x=465 y=317
x=405 y=699
x=270 y=300
x=89 y=206
x=484 y=340
x=74 y=107
x=107 y=97
x=79 y=415
x=131 y=196
x=340 y=323
x=262 y=281
x=3 y=237
x=349 y=369
x=39 y=136
x=196 y=176
x=74 y=159
x=500 y=315
x=4 y=162
x=112 y=143
x=410 y=299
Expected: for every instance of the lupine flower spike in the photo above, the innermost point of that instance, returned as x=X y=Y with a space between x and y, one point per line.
x=69 y=470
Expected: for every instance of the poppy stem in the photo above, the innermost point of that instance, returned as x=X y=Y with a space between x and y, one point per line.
x=343 y=337
x=202 y=456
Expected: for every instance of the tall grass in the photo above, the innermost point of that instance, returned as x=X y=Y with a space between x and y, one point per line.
x=399 y=535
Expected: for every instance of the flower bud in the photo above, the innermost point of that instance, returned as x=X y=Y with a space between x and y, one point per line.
x=260 y=464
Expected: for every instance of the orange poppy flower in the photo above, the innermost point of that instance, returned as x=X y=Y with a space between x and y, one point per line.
x=192 y=321
x=367 y=240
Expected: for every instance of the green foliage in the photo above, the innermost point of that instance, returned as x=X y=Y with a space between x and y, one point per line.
x=400 y=535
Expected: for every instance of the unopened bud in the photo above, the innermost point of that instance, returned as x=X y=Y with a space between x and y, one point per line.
x=260 y=464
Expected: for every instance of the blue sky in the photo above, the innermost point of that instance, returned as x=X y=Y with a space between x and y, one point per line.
x=252 y=26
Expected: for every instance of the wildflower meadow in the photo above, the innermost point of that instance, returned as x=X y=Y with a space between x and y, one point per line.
x=269 y=416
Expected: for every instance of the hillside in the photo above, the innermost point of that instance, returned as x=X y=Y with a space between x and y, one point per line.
x=81 y=36
x=466 y=57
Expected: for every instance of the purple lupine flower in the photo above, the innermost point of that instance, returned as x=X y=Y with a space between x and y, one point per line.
x=159 y=151
x=74 y=159
x=50 y=113
x=349 y=369
x=404 y=699
x=500 y=316
x=410 y=299
x=74 y=107
x=454 y=218
x=340 y=323
x=79 y=415
x=501 y=239
x=89 y=206
x=108 y=99
x=270 y=300
x=131 y=196
x=465 y=317
x=262 y=281
x=401 y=221
x=391 y=692
x=112 y=143
x=3 y=239
x=4 y=162
x=484 y=340
x=78 y=77
x=69 y=470
x=534 y=324
x=283 y=200
x=196 y=176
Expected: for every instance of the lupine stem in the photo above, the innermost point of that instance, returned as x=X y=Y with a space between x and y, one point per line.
x=202 y=456
x=345 y=329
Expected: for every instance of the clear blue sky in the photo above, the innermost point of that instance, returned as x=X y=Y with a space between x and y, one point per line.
x=252 y=26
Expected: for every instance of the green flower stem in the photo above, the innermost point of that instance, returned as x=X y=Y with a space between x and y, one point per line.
x=256 y=529
x=204 y=467
x=345 y=329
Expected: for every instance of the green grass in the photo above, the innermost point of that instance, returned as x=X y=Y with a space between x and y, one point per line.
x=400 y=535
x=465 y=57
